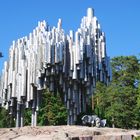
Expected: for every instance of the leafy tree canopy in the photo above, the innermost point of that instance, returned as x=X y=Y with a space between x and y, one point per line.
x=118 y=102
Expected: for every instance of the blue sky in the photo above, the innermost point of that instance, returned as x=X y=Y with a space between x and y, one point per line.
x=119 y=19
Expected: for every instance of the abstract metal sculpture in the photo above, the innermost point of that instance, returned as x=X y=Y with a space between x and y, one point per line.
x=68 y=64
x=93 y=120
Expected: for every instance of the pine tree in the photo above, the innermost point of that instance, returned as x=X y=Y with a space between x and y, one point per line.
x=52 y=110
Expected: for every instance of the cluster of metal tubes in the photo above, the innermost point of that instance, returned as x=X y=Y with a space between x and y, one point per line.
x=66 y=64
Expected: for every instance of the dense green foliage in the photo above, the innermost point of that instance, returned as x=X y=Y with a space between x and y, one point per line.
x=27 y=116
x=52 y=111
x=5 y=119
x=119 y=102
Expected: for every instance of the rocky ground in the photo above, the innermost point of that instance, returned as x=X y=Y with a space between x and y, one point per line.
x=67 y=133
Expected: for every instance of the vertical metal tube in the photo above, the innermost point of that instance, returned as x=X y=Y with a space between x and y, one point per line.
x=18 y=115
x=35 y=118
x=21 y=117
x=32 y=119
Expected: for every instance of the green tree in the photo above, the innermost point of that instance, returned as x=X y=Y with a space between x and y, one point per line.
x=118 y=102
x=5 y=119
x=125 y=70
x=100 y=99
x=52 y=111
x=27 y=116
x=121 y=109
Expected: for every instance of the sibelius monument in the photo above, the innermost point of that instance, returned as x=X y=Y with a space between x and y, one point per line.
x=66 y=64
